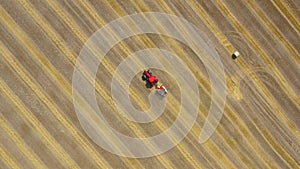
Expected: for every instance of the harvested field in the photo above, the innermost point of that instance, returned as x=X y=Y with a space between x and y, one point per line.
x=42 y=40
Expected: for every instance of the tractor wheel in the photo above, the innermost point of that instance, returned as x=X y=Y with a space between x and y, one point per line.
x=148 y=85
x=149 y=71
x=144 y=77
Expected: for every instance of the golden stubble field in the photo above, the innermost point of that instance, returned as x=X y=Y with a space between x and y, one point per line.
x=41 y=41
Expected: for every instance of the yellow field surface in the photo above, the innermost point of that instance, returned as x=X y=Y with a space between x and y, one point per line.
x=40 y=42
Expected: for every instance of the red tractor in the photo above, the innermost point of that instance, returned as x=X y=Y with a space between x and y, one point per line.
x=149 y=78
x=151 y=81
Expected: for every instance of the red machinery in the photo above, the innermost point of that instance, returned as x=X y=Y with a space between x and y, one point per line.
x=153 y=81
x=149 y=78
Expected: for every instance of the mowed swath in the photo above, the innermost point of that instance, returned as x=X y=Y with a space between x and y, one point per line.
x=255 y=132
